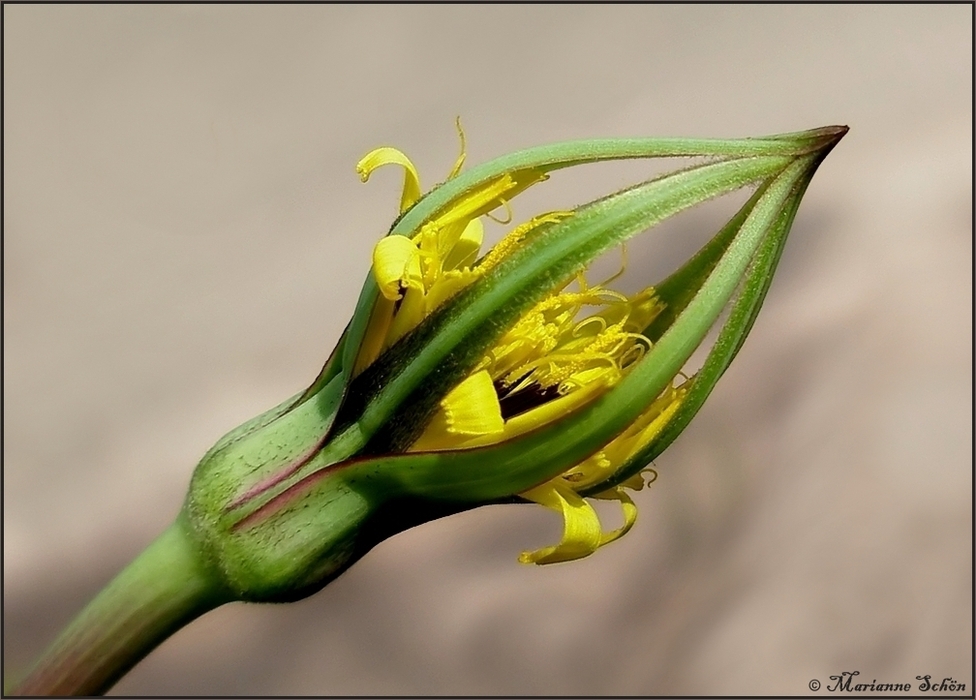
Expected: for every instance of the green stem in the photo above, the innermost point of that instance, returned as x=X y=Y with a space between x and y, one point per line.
x=166 y=587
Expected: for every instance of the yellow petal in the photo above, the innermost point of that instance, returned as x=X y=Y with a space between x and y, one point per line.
x=472 y=407
x=594 y=469
x=581 y=526
x=551 y=410
x=436 y=435
x=666 y=406
x=375 y=336
x=391 y=156
x=629 y=510
x=393 y=256
x=465 y=250
x=488 y=196
x=408 y=315
x=537 y=417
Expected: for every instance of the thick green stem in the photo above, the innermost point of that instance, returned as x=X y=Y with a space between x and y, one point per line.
x=167 y=586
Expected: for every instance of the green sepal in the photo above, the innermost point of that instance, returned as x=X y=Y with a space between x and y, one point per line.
x=239 y=474
x=290 y=544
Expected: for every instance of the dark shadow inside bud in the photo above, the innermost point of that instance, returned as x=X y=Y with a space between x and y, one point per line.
x=514 y=403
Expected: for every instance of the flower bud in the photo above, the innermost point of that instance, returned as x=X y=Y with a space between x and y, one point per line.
x=467 y=378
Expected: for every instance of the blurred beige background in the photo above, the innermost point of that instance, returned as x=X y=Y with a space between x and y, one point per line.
x=184 y=238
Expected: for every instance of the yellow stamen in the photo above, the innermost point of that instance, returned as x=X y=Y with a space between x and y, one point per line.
x=623 y=267
x=460 y=159
x=487 y=197
x=466 y=248
x=508 y=214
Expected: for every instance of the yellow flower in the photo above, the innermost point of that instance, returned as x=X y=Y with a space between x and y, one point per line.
x=564 y=352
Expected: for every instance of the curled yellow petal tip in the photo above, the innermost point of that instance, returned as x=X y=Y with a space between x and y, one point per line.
x=392 y=156
x=581 y=526
x=628 y=508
